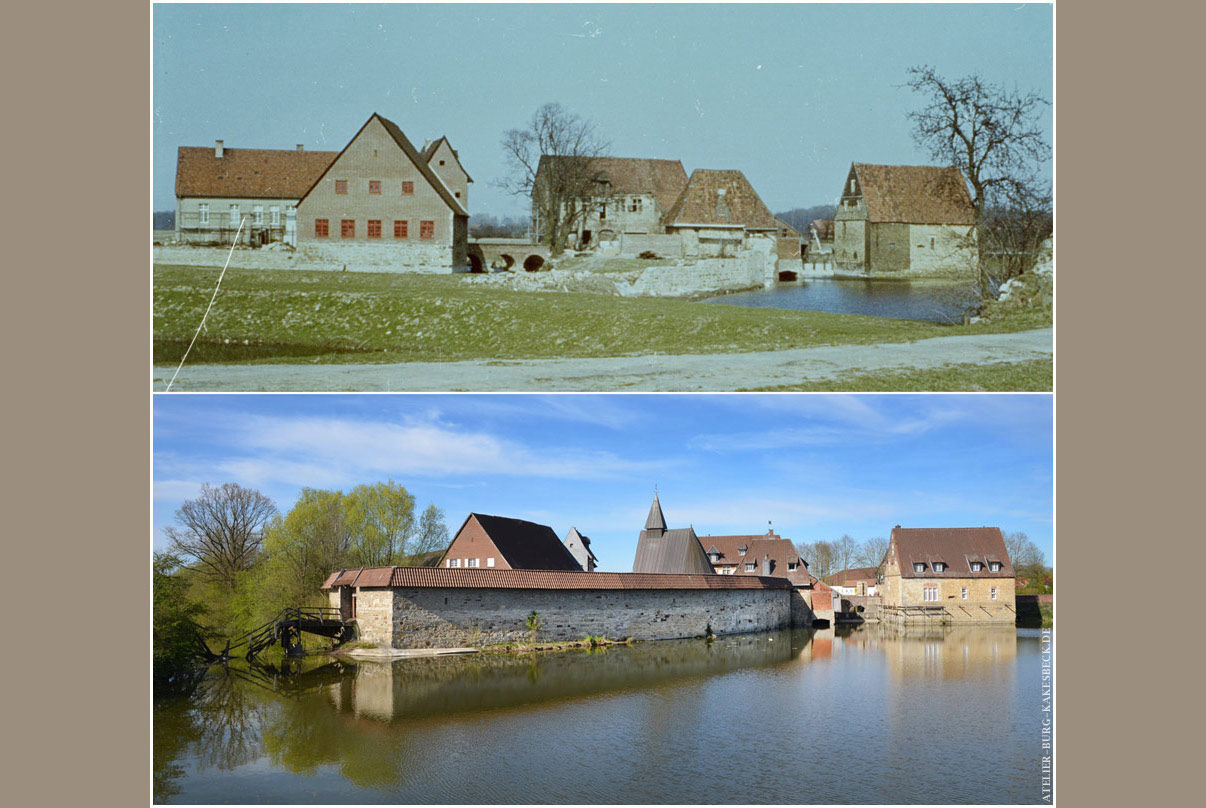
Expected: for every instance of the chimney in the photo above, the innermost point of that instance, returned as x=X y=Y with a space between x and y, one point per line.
x=766 y=565
x=218 y=149
x=301 y=147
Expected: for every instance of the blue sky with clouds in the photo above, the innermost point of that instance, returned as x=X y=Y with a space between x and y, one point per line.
x=790 y=94
x=816 y=466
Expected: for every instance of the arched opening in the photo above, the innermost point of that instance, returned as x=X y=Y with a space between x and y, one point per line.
x=475 y=263
x=507 y=261
x=533 y=263
x=787 y=276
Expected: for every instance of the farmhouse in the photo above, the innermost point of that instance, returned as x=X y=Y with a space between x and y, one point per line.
x=719 y=211
x=962 y=574
x=894 y=219
x=499 y=542
x=631 y=195
x=579 y=547
x=217 y=188
x=380 y=194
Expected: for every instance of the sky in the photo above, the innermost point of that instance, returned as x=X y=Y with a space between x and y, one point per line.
x=790 y=94
x=812 y=467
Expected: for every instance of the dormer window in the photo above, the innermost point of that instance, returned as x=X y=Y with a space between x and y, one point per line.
x=919 y=567
x=939 y=566
x=976 y=566
x=791 y=565
x=994 y=566
x=741 y=550
x=713 y=557
x=749 y=567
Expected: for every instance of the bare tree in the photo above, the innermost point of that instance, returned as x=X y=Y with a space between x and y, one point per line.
x=994 y=135
x=872 y=552
x=432 y=534
x=820 y=557
x=552 y=162
x=846 y=550
x=1022 y=551
x=221 y=530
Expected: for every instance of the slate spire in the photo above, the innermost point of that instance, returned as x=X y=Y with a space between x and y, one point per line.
x=656 y=520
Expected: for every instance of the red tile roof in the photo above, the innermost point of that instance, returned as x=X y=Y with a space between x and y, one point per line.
x=664 y=179
x=957 y=547
x=441 y=577
x=248 y=173
x=915 y=194
x=853 y=576
x=781 y=552
x=699 y=202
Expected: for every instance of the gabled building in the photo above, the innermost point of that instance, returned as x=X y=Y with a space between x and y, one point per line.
x=217 y=188
x=579 y=547
x=445 y=161
x=859 y=581
x=630 y=195
x=661 y=550
x=905 y=219
x=718 y=211
x=381 y=193
x=766 y=554
x=499 y=542
x=964 y=572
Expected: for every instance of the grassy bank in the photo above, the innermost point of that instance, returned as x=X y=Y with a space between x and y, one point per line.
x=1033 y=376
x=326 y=317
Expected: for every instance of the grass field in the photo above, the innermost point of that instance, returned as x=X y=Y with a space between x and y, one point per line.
x=325 y=317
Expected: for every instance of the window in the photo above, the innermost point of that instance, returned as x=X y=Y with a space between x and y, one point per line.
x=347 y=228
x=321 y=228
x=204 y=211
x=931 y=242
x=993 y=593
x=458 y=194
x=441 y=162
x=919 y=567
x=791 y=565
x=995 y=566
x=603 y=211
x=489 y=562
x=258 y=214
x=426 y=229
x=408 y=187
x=374 y=228
x=374 y=186
x=852 y=185
x=353 y=605
x=713 y=557
x=634 y=204
x=341 y=186
x=234 y=215
x=976 y=566
x=930 y=594
x=749 y=567
x=939 y=566
x=400 y=228
x=963 y=593
x=741 y=550
x=274 y=214
x=471 y=562
x=454 y=562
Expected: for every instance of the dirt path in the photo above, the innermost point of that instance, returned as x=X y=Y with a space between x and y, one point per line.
x=696 y=372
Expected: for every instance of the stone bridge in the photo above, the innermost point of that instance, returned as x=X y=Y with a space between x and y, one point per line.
x=514 y=254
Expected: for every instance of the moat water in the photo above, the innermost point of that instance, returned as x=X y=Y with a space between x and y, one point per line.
x=935 y=302
x=866 y=715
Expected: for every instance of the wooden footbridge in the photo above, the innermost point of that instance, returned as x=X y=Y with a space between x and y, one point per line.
x=286 y=628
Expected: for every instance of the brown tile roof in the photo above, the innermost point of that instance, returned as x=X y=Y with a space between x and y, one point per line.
x=915 y=194
x=956 y=546
x=852 y=576
x=541 y=579
x=698 y=203
x=664 y=179
x=248 y=173
x=780 y=550
x=527 y=545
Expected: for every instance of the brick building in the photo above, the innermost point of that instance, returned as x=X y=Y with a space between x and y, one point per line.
x=963 y=572
x=905 y=219
x=381 y=194
x=499 y=542
x=217 y=188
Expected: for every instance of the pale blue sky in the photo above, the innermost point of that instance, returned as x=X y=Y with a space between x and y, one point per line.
x=790 y=94
x=816 y=466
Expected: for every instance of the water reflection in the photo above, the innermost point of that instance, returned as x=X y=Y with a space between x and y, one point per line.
x=629 y=725
x=936 y=302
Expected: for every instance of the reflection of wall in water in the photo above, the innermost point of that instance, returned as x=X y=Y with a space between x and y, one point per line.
x=949 y=652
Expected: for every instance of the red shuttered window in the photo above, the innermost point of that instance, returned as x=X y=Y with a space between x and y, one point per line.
x=374 y=228
x=400 y=229
x=341 y=186
x=374 y=186
x=321 y=228
x=347 y=228
x=408 y=187
x=426 y=229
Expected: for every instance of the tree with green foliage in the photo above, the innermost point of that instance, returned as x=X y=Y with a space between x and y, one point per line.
x=433 y=532
x=301 y=549
x=381 y=523
x=176 y=634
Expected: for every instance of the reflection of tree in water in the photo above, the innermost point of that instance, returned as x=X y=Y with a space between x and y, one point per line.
x=173 y=730
x=228 y=716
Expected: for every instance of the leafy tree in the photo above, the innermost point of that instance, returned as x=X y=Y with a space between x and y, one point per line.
x=381 y=523
x=176 y=635
x=302 y=548
x=563 y=192
x=221 y=530
x=433 y=532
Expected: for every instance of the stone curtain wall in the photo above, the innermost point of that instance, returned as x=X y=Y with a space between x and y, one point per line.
x=450 y=618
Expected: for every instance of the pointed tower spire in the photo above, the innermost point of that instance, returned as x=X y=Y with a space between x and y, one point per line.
x=656 y=521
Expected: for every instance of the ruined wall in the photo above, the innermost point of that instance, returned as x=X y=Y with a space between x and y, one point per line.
x=454 y=617
x=667 y=246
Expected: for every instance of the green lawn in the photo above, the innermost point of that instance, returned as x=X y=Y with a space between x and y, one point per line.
x=293 y=316
x=1036 y=375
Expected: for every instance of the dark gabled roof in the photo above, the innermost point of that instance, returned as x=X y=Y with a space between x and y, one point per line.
x=429 y=151
x=248 y=173
x=915 y=194
x=526 y=545
x=442 y=577
x=847 y=577
x=412 y=154
x=671 y=552
x=664 y=179
x=780 y=550
x=698 y=202
x=656 y=520
x=956 y=546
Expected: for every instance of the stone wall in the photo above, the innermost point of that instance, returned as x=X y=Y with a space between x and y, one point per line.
x=454 y=617
x=979 y=607
x=666 y=246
